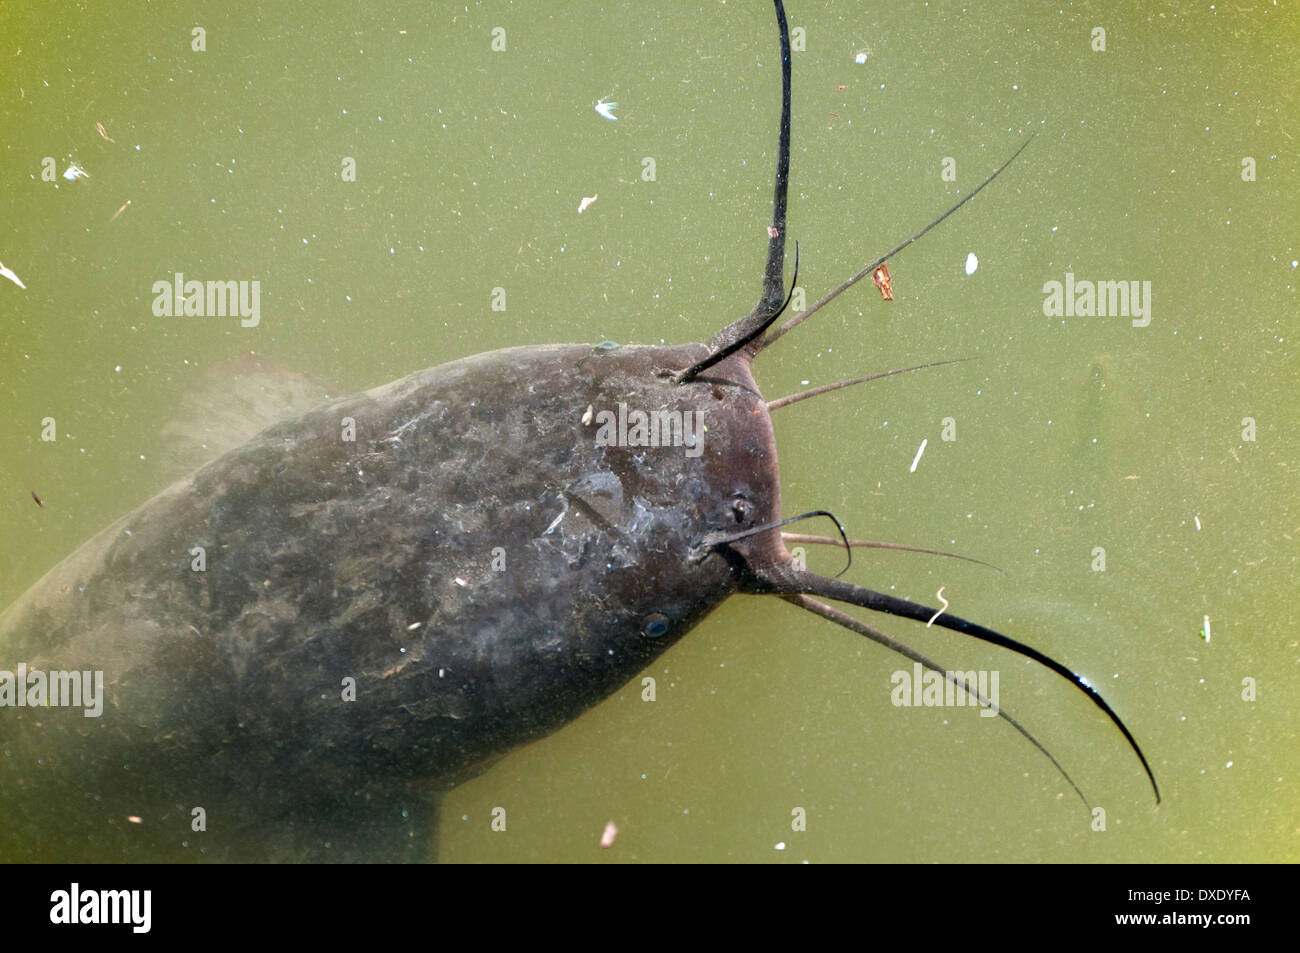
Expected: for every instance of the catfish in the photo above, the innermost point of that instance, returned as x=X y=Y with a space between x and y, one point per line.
x=292 y=653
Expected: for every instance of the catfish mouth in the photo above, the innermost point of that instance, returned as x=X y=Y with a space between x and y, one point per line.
x=768 y=567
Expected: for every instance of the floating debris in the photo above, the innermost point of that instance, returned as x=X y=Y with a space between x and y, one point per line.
x=920 y=450
x=607 y=838
x=884 y=281
x=11 y=276
x=1205 y=632
x=861 y=57
x=74 y=172
x=938 y=595
x=607 y=109
x=772 y=232
x=586 y=202
x=120 y=210
x=38 y=500
x=1198 y=522
x=971 y=263
x=100 y=126
x=586 y=418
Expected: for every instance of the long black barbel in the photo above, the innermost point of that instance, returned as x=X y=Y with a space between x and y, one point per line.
x=714 y=540
x=794 y=398
x=836 y=292
x=722 y=353
x=790 y=580
x=745 y=331
x=856 y=625
x=877 y=544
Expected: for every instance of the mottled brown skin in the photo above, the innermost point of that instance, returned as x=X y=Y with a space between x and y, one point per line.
x=224 y=687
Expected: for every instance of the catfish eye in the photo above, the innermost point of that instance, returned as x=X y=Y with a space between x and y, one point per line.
x=654 y=625
x=740 y=509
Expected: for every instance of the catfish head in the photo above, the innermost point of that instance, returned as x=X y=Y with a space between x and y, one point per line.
x=721 y=510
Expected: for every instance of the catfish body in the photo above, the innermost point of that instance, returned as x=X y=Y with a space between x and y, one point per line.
x=308 y=639
x=479 y=566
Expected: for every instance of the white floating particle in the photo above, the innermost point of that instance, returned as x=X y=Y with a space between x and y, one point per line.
x=971 y=263
x=607 y=109
x=1205 y=633
x=607 y=838
x=460 y=582
x=920 y=450
x=8 y=273
x=1198 y=522
x=861 y=57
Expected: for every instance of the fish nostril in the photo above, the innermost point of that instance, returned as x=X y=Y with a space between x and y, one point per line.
x=654 y=625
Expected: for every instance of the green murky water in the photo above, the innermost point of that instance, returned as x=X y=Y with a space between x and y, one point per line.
x=1073 y=433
